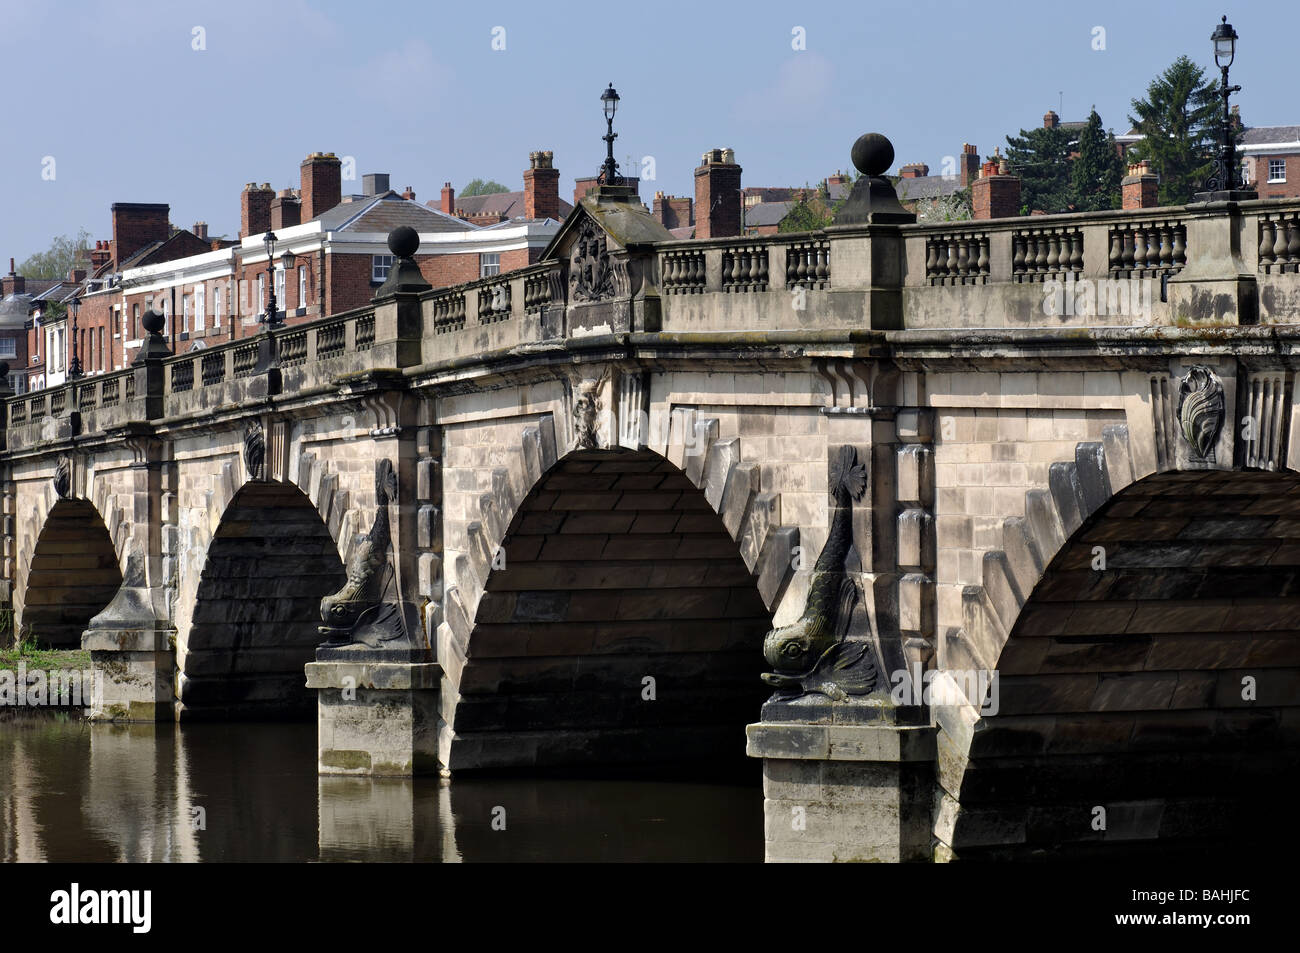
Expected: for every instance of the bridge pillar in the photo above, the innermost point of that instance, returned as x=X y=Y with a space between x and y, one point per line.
x=132 y=642
x=376 y=718
x=845 y=792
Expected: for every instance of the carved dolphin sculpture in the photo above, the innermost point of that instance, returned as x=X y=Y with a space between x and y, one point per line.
x=810 y=654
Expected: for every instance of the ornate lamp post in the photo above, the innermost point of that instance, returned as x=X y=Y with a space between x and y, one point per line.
x=74 y=365
x=1223 y=184
x=1225 y=48
x=609 y=171
x=272 y=317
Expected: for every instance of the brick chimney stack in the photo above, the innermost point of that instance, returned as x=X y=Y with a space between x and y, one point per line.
x=996 y=193
x=448 y=199
x=409 y=194
x=672 y=211
x=1141 y=187
x=322 y=184
x=13 y=283
x=717 y=195
x=542 y=187
x=1050 y=119
x=100 y=256
x=286 y=209
x=200 y=230
x=255 y=209
x=970 y=164
x=914 y=170
x=137 y=224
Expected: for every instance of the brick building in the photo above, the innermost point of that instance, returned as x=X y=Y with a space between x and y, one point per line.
x=330 y=255
x=1271 y=160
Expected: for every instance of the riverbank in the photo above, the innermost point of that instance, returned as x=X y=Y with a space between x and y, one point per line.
x=46 y=660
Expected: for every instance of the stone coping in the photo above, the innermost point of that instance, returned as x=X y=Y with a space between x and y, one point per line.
x=384 y=676
x=128 y=640
x=840 y=742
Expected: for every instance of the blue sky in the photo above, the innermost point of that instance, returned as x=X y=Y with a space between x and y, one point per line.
x=130 y=111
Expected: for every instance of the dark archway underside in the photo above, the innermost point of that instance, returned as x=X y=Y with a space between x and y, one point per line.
x=258 y=607
x=74 y=574
x=623 y=628
x=1129 y=688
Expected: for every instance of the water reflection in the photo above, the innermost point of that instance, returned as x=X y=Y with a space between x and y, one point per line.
x=71 y=791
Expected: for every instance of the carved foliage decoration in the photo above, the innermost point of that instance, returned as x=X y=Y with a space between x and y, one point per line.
x=591 y=277
x=587 y=405
x=255 y=451
x=812 y=654
x=1200 y=409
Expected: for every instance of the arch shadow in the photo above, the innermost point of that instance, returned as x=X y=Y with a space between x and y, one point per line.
x=257 y=608
x=73 y=574
x=618 y=625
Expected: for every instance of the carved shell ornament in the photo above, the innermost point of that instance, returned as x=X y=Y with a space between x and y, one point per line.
x=254 y=451
x=63 y=478
x=1200 y=409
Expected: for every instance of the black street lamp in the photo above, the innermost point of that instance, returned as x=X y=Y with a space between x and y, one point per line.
x=272 y=316
x=1225 y=48
x=74 y=365
x=609 y=171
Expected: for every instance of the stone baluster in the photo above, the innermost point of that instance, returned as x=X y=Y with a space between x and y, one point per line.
x=1180 y=246
x=1054 y=254
x=1127 y=258
x=1116 y=258
x=1279 y=244
x=1040 y=263
x=1267 y=236
x=1076 y=252
x=1018 y=255
x=1292 y=242
x=982 y=264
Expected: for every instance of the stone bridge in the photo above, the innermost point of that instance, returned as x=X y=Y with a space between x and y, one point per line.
x=1017 y=501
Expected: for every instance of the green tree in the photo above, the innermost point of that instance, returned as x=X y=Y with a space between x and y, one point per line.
x=1098 y=172
x=1041 y=157
x=1178 y=122
x=814 y=208
x=57 y=260
x=480 y=187
x=945 y=208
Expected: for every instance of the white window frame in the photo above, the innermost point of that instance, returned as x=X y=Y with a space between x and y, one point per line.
x=1275 y=176
x=380 y=266
x=200 y=308
x=280 y=303
x=261 y=292
x=216 y=306
x=489 y=264
x=8 y=348
x=302 y=286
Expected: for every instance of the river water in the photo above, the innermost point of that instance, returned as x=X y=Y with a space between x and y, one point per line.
x=72 y=791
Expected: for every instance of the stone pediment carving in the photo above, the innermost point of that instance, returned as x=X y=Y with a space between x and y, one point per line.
x=591 y=273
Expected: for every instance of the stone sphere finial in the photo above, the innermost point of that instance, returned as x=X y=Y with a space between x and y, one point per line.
x=403 y=241
x=873 y=154
x=153 y=321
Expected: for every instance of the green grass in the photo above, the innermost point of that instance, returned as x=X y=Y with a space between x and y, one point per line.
x=44 y=659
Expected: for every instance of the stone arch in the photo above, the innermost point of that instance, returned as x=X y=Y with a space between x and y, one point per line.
x=720 y=486
x=255 y=608
x=1109 y=702
x=51 y=562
